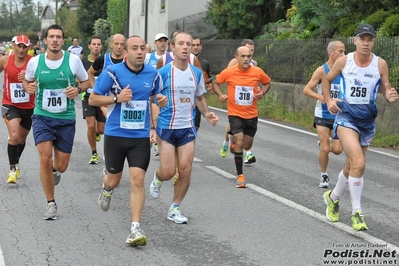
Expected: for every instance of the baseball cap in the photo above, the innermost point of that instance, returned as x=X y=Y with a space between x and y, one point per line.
x=22 y=39
x=365 y=29
x=160 y=36
x=13 y=39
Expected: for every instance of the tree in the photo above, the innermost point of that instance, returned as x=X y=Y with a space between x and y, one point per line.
x=68 y=20
x=117 y=12
x=89 y=12
x=28 y=20
x=240 y=19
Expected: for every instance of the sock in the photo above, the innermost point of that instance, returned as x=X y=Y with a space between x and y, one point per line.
x=238 y=160
x=249 y=153
x=135 y=225
x=12 y=151
x=325 y=173
x=93 y=152
x=21 y=148
x=355 y=189
x=13 y=168
x=174 y=205
x=50 y=201
x=106 y=191
x=340 y=187
x=226 y=143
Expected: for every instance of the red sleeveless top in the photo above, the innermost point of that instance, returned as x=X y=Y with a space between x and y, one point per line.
x=13 y=92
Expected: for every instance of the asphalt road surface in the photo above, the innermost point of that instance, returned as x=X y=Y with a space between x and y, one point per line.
x=279 y=219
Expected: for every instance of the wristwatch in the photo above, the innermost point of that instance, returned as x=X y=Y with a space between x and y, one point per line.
x=79 y=90
x=115 y=99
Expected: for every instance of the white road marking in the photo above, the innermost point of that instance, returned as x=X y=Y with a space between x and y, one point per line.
x=311 y=213
x=306 y=132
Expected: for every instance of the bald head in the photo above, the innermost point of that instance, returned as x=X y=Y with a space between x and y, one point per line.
x=116 y=44
x=243 y=56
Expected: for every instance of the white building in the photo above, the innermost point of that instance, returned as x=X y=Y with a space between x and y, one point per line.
x=147 y=18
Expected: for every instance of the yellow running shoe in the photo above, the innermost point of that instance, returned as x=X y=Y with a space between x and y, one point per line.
x=358 y=223
x=12 y=178
x=17 y=171
x=98 y=137
x=332 y=210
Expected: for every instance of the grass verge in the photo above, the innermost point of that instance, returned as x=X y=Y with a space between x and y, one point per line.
x=269 y=108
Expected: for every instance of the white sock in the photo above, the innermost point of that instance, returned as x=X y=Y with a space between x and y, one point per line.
x=325 y=173
x=135 y=225
x=340 y=187
x=355 y=189
x=226 y=143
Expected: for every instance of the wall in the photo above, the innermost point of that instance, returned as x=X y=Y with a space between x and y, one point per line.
x=292 y=96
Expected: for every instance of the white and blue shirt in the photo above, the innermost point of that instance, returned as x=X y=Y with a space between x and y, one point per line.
x=181 y=88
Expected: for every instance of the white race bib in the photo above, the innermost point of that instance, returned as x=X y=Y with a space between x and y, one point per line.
x=18 y=95
x=54 y=101
x=133 y=114
x=244 y=95
x=357 y=93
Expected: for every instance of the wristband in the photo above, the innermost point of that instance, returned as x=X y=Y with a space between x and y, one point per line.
x=152 y=128
x=156 y=100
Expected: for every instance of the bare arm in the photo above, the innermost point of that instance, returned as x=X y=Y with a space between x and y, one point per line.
x=316 y=78
x=232 y=62
x=3 y=62
x=326 y=85
x=203 y=108
x=390 y=93
x=90 y=73
x=160 y=62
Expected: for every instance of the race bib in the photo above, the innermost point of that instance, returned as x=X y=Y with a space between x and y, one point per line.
x=133 y=114
x=334 y=91
x=18 y=95
x=357 y=93
x=54 y=101
x=244 y=95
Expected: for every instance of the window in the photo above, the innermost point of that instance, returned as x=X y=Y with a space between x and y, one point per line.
x=142 y=7
x=162 y=5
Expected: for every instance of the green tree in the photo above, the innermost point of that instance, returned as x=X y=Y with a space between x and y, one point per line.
x=28 y=20
x=68 y=20
x=117 y=12
x=240 y=19
x=89 y=12
x=323 y=14
x=102 y=28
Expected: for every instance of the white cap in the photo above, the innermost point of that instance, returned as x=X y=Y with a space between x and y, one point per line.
x=14 y=39
x=160 y=36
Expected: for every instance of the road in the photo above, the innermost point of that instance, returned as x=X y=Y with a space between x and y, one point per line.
x=278 y=220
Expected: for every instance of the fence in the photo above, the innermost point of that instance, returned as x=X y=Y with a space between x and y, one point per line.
x=294 y=61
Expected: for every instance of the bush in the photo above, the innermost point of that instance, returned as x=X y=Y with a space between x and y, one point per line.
x=347 y=25
x=390 y=26
x=378 y=18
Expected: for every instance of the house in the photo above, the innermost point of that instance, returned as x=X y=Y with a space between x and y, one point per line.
x=147 y=18
x=49 y=12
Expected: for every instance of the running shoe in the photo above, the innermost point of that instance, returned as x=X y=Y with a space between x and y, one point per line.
x=249 y=158
x=104 y=201
x=51 y=212
x=176 y=216
x=94 y=159
x=156 y=153
x=358 y=223
x=241 y=181
x=224 y=150
x=332 y=210
x=98 y=137
x=324 y=181
x=18 y=170
x=105 y=172
x=232 y=144
x=175 y=178
x=12 y=178
x=155 y=187
x=57 y=177
x=136 y=238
